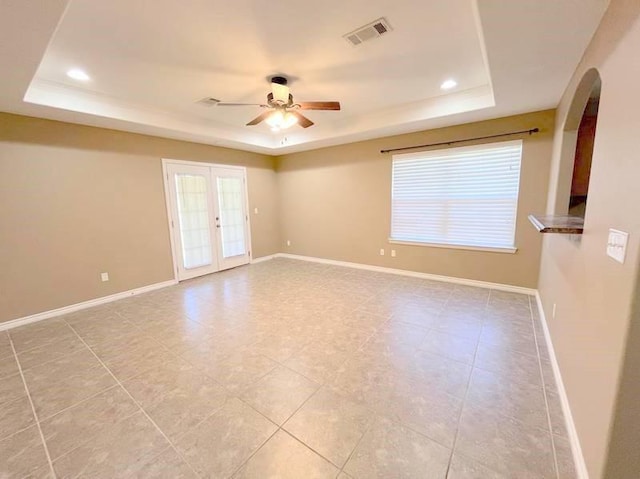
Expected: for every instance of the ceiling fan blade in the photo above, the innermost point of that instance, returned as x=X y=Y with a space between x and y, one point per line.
x=260 y=118
x=241 y=104
x=303 y=121
x=319 y=105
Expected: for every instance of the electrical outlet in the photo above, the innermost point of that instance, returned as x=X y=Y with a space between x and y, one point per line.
x=255 y=211
x=288 y=242
x=381 y=252
x=393 y=253
x=104 y=277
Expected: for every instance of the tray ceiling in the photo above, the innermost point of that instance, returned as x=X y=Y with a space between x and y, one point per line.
x=150 y=62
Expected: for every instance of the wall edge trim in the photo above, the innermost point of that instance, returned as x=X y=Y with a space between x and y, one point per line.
x=262 y=259
x=415 y=274
x=574 y=440
x=14 y=323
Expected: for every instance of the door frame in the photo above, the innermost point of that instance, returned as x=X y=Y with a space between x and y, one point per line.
x=167 y=199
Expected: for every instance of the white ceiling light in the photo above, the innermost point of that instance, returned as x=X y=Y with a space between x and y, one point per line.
x=448 y=84
x=78 y=74
x=280 y=120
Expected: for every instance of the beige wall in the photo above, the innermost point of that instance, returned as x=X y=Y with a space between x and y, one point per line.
x=336 y=203
x=76 y=201
x=594 y=294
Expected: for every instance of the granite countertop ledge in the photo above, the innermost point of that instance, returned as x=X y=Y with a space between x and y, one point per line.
x=562 y=224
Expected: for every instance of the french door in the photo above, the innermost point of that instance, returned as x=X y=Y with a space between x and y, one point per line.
x=208 y=217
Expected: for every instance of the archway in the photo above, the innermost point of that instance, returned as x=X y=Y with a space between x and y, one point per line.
x=580 y=127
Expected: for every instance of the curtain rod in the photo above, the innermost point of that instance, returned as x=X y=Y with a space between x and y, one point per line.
x=530 y=132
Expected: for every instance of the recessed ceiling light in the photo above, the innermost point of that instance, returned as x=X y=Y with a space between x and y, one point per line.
x=78 y=74
x=448 y=84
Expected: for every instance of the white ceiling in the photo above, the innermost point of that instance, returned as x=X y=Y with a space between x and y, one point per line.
x=150 y=61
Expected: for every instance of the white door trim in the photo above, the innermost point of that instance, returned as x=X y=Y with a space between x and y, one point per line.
x=167 y=202
x=167 y=199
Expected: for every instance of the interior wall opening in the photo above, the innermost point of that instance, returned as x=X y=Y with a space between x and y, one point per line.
x=583 y=128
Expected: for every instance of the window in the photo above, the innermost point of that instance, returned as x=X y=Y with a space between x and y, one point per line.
x=459 y=197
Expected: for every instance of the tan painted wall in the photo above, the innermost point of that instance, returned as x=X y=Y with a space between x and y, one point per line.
x=592 y=292
x=336 y=203
x=76 y=200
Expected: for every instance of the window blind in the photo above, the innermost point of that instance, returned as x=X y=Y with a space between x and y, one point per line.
x=458 y=196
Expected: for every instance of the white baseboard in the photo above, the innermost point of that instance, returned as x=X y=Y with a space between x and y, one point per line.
x=576 y=449
x=14 y=323
x=415 y=274
x=262 y=259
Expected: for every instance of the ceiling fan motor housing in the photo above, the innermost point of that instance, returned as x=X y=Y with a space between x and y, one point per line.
x=279 y=80
x=282 y=112
x=279 y=104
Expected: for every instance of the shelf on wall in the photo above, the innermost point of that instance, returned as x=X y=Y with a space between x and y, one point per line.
x=560 y=224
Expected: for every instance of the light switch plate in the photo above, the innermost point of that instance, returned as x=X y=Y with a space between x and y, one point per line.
x=617 y=245
x=104 y=277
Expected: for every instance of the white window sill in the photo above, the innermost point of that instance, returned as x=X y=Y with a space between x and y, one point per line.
x=453 y=246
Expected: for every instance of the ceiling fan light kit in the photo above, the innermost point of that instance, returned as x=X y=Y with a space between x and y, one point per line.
x=282 y=110
x=279 y=120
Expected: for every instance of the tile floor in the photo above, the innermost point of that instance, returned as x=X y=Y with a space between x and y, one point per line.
x=286 y=369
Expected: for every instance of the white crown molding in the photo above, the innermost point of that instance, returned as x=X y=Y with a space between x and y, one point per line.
x=181 y=126
x=417 y=116
x=14 y=323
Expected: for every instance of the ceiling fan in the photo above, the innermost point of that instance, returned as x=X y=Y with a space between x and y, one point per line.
x=282 y=112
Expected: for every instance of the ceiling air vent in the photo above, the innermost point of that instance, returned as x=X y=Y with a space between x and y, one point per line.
x=208 y=101
x=372 y=30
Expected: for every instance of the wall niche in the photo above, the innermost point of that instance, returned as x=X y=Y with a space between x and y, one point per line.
x=579 y=132
x=584 y=153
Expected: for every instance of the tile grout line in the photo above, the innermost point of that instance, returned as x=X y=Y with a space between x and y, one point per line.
x=369 y=426
x=300 y=440
x=229 y=393
x=246 y=461
x=281 y=428
x=340 y=468
x=544 y=393
x=195 y=365
x=500 y=413
x=67 y=453
x=400 y=423
x=135 y=402
x=466 y=392
x=173 y=353
x=15 y=433
x=102 y=391
x=295 y=438
x=236 y=395
x=33 y=408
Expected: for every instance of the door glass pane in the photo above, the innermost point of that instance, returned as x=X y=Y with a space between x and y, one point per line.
x=231 y=216
x=193 y=214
